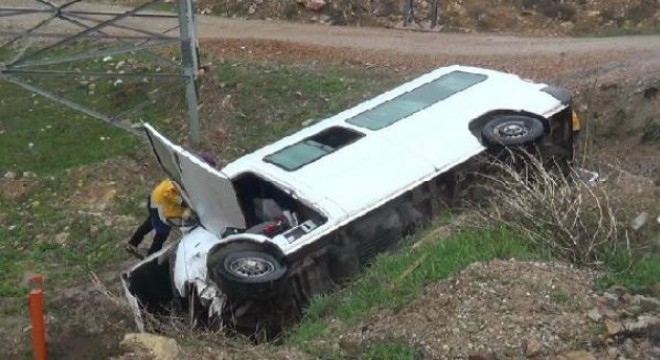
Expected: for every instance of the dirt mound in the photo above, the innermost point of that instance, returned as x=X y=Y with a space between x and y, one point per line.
x=508 y=309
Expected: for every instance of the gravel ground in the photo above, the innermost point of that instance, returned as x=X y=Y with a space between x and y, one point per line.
x=507 y=310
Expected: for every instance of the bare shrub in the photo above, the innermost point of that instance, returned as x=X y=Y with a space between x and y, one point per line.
x=567 y=215
x=554 y=9
x=482 y=17
x=103 y=290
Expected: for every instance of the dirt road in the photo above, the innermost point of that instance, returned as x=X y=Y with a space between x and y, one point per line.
x=410 y=42
x=391 y=40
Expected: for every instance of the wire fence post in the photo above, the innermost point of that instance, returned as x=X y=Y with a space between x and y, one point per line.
x=408 y=12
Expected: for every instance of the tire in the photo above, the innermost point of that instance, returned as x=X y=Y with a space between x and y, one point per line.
x=512 y=130
x=248 y=273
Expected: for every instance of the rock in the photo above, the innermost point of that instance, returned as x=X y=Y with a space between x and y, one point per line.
x=162 y=348
x=93 y=231
x=567 y=25
x=629 y=347
x=626 y=298
x=315 y=5
x=611 y=300
x=62 y=238
x=634 y=310
x=617 y=289
x=532 y=348
x=645 y=303
x=642 y=323
x=607 y=312
x=613 y=352
x=612 y=327
x=10 y=175
x=593 y=13
x=594 y=315
x=639 y=221
x=577 y=355
x=252 y=9
x=482 y=355
x=29 y=174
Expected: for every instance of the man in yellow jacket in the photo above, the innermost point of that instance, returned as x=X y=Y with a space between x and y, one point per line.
x=166 y=208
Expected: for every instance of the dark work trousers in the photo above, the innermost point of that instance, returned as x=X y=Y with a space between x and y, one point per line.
x=152 y=222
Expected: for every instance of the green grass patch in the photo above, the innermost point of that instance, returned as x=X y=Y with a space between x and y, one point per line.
x=651 y=133
x=388 y=351
x=44 y=137
x=637 y=272
x=560 y=297
x=395 y=279
x=49 y=240
x=41 y=136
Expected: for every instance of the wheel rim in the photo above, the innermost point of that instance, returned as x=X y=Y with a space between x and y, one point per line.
x=251 y=267
x=511 y=129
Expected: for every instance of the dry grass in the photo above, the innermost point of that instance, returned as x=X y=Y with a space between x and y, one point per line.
x=115 y=299
x=571 y=217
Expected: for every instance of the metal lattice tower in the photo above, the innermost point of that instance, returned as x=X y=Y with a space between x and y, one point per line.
x=40 y=39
